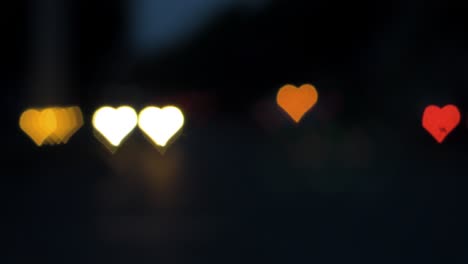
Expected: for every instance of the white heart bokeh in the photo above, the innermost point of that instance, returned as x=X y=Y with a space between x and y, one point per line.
x=161 y=124
x=115 y=124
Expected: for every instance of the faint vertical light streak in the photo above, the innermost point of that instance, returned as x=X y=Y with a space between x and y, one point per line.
x=49 y=65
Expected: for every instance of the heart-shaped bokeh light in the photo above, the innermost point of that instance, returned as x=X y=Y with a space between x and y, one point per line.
x=440 y=122
x=53 y=125
x=161 y=124
x=296 y=102
x=115 y=124
x=69 y=120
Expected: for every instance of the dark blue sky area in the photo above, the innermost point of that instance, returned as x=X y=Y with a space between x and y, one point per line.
x=160 y=24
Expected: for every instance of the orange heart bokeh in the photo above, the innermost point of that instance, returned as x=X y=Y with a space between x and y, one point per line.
x=297 y=101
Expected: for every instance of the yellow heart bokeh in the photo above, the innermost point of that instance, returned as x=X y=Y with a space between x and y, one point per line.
x=69 y=120
x=52 y=125
x=38 y=125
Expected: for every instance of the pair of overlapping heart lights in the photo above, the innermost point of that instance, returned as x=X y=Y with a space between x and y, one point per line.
x=162 y=125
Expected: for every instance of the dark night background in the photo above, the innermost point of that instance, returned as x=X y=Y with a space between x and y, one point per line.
x=358 y=181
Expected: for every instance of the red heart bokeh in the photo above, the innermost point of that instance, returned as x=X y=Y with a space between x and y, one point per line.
x=439 y=122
